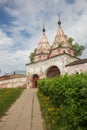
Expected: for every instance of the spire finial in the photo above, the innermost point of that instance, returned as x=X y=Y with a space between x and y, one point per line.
x=59 y=22
x=44 y=27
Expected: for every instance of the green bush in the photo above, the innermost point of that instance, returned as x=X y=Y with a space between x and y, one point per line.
x=69 y=94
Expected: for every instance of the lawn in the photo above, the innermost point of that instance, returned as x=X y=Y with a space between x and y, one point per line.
x=7 y=97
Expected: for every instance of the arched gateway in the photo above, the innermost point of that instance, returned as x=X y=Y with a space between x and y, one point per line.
x=35 y=78
x=53 y=71
x=50 y=61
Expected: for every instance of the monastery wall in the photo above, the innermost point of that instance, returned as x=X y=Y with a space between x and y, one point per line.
x=13 y=83
x=77 y=68
x=41 y=68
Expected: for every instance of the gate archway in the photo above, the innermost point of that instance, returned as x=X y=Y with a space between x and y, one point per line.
x=35 y=79
x=53 y=71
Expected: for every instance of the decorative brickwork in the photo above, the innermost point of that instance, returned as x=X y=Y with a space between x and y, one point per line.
x=43 y=48
x=61 y=44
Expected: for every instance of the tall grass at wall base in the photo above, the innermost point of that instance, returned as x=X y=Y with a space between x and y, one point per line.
x=8 y=97
x=67 y=104
x=49 y=112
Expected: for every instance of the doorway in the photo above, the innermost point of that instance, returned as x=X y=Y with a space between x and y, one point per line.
x=35 y=80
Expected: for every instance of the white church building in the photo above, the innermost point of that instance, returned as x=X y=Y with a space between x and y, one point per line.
x=50 y=61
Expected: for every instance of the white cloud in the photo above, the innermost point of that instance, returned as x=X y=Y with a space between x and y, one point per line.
x=9 y=62
x=2 y=1
x=29 y=15
x=5 y=41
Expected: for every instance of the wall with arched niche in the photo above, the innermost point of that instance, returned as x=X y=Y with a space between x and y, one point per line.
x=35 y=79
x=52 y=71
x=44 y=68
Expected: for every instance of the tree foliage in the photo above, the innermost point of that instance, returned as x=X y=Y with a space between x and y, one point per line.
x=31 y=57
x=78 y=49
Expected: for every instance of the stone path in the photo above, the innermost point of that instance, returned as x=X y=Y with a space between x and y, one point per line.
x=24 y=114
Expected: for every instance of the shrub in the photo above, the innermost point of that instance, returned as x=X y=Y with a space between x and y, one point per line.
x=69 y=94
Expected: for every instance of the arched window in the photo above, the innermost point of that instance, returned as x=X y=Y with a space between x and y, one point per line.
x=53 y=71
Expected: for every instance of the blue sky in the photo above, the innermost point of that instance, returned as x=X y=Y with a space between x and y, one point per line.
x=21 y=27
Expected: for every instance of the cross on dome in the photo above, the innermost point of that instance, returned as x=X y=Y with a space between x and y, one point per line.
x=59 y=22
x=44 y=27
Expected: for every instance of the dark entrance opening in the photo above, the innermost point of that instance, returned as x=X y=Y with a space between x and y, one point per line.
x=53 y=71
x=35 y=79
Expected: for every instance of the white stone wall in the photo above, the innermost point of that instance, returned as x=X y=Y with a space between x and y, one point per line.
x=77 y=68
x=40 y=68
x=13 y=83
x=59 y=61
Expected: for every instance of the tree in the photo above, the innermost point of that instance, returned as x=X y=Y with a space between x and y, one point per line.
x=78 y=49
x=31 y=57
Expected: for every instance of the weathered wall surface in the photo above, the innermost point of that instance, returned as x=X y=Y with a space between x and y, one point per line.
x=13 y=83
x=77 y=68
x=41 y=68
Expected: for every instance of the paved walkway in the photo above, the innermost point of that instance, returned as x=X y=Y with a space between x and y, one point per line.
x=24 y=114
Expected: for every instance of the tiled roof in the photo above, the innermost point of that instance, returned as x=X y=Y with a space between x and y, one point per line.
x=43 y=45
x=61 y=43
x=61 y=39
x=80 y=61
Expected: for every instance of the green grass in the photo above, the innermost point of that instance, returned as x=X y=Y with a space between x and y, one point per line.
x=7 y=97
x=49 y=112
